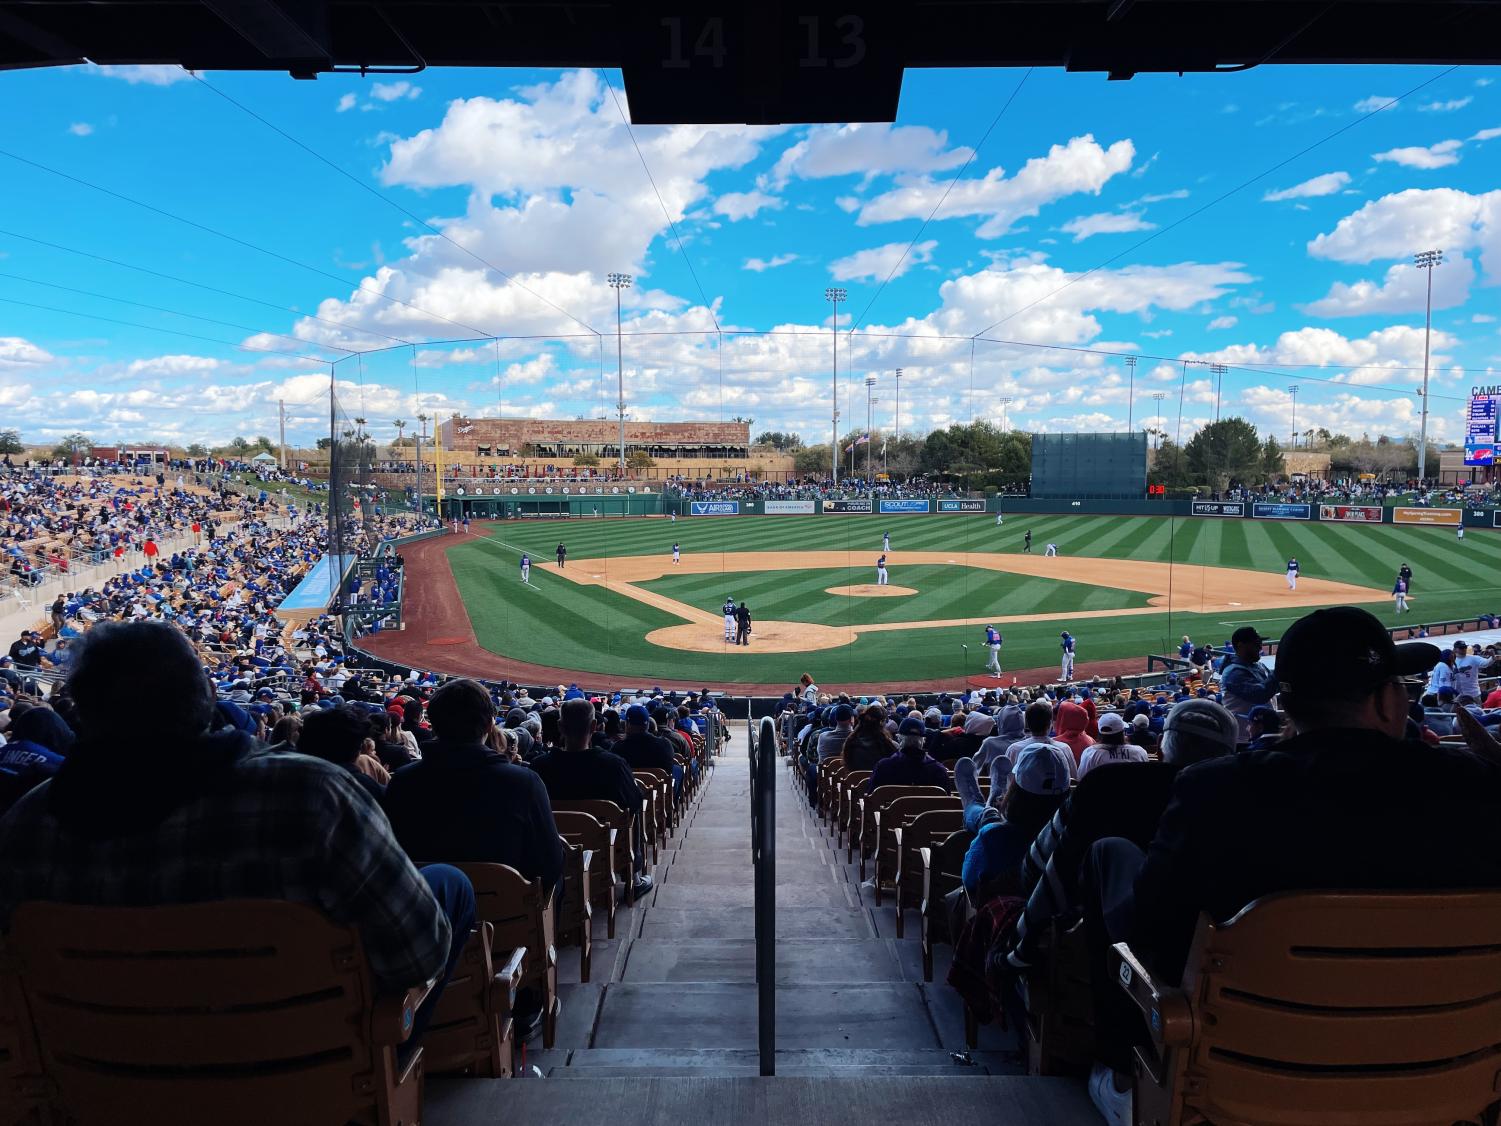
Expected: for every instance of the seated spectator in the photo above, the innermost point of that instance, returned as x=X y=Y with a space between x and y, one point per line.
x=870 y=742
x=645 y=751
x=1010 y=727
x=39 y=744
x=911 y=765
x=1111 y=746
x=201 y=814
x=1318 y=810
x=1037 y=786
x=342 y=736
x=1141 y=734
x=978 y=727
x=1038 y=720
x=1072 y=722
x=578 y=772
x=1265 y=727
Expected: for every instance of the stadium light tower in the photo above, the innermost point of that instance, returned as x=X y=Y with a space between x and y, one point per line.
x=1005 y=401
x=1130 y=391
x=617 y=283
x=897 y=424
x=870 y=387
x=1426 y=260
x=1159 y=396
x=1219 y=384
x=835 y=294
x=1293 y=390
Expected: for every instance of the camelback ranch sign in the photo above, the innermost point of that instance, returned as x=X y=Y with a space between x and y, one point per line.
x=1352 y=513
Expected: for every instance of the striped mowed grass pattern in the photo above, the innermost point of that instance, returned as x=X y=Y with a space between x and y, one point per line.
x=591 y=628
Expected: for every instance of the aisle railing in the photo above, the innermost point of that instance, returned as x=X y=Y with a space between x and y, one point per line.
x=763 y=793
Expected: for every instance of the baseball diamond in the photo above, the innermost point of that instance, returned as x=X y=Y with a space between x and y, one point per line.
x=1124 y=586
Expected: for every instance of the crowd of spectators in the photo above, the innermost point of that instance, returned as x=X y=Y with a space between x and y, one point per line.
x=1134 y=812
x=806 y=488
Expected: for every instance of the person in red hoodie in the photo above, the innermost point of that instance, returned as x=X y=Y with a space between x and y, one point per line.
x=1071 y=722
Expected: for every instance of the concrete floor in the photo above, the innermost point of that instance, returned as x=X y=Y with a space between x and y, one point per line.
x=673 y=999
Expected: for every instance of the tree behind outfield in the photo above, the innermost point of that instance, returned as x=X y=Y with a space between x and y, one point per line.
x=1226 y=451
x=74 y=446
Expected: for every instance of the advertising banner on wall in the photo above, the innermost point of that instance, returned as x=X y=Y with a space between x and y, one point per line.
x=715 y=508
x=1354 y=513
x=846 y=506
x=1281 y=510
x=790 y=507
x=904 y=505
x=1218 y=508
x=961 y=506
x=1445 y=516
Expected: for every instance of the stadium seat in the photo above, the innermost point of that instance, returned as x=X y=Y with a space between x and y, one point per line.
x=942 y=864
x=585 y=831
x=22 y=1085
x=924 y=831
x=470 y=1030
x=623 y=856
x=1327 y=1009
x=575 y=923
x=850 y=785
x=521 y=913
x=892 y=810
x=1059 y=1003
x=232 y=1012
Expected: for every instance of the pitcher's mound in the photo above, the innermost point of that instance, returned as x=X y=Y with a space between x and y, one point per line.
x=870 y=590
x=766 y=637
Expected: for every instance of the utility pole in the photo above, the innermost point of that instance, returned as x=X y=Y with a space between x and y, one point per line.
x=1130 y=391
x=1219 y=383
x=870 y=384
x=619 y=282
x=421 y=434
x=1293 y=390
x=1159 y=396
x=281 y=409
x=1426 y=260
x=834 y=295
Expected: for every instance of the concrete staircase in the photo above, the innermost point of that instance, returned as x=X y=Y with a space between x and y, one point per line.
x=669 y=1023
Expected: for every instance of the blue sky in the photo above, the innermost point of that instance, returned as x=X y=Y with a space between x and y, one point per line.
x=1068 y=241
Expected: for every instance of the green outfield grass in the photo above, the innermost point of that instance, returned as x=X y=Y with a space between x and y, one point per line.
x=558 y=622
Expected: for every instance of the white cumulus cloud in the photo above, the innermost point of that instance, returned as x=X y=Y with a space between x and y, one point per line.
x=1397 y=225
x=1440 y=155
x=346 y=103
x=867 y=149
x=760 y=265
x=1107 y=223
x=1403 y=290
x=745 y=205
x=394 y=91
x=80 y=128
x=1446 y=107
x=878 y=262
x=1327 y=184
x=1222 y=322
x=147 y=75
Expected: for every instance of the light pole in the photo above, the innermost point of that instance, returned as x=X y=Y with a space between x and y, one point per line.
x=1293 y=390
x=870 y=386
x=1130 y=391
x=1219 y=383
x=1426 y=260
x=835 y=294
x=617 y=283
x=897 y=422
x=1159 y=396
x=421 y=434
x=1005 y=401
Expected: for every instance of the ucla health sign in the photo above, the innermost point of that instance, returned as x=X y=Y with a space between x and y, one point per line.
x=961 y=506
x=908 y=505
x=1281 y=510
x=715 y=508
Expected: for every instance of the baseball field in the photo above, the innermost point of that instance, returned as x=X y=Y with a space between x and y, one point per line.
x=621 y=611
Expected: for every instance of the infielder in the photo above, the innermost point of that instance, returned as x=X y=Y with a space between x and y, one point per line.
x=881 y=577
x=1399 y=592
x=993 y=643
x=1027 y=542
x=1051 y=549
x=1066 y=643
x=885 y=542
x=1292 y=573
x=730 y=624
x=526 y=568
x=677 y=555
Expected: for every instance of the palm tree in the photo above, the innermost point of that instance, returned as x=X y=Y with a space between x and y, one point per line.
x=400 y=424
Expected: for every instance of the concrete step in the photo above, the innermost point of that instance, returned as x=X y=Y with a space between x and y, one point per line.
x=605 y=1063
x=797 y=962
x=828 y=1100
x=680 y=924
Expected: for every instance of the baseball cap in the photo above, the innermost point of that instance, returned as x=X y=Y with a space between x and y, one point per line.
x=1206 y=719
x=1245 y=634
x=636 y=715
x=1111 y=723
x=1267 y=717
x=842 y=713
x=911 y=726
x=1039 y=770
x=1345 y=651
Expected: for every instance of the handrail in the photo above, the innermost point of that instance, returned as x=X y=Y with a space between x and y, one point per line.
x=764 y=857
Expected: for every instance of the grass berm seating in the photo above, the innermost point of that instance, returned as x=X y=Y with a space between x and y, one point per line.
x=1331 y=1009
x=210 y=1012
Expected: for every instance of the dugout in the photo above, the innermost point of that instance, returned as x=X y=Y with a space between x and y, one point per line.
x=1089 y=466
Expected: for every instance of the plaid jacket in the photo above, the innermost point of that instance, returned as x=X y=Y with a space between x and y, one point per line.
x=272 y=825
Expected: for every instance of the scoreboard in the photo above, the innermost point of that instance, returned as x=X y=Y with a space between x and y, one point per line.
x=1480 y=426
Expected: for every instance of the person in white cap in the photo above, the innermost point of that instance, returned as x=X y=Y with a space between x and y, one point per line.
x=1111 y=746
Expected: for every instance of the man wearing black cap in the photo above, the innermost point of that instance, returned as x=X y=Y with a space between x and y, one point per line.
x=643 y=750
x=1344 y=802
x=1244 y=681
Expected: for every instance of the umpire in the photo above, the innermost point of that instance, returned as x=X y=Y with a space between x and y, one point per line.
x=742 y=625
x=562 y=555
